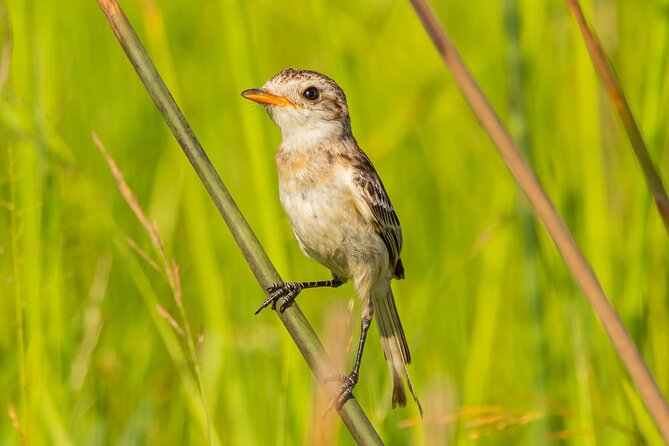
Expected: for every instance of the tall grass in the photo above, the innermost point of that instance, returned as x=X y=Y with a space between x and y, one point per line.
x=479 y=345
x=545 y=211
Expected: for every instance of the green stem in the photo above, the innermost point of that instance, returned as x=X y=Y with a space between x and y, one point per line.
x=545 y=211
x=18 y=301
x=303 y=335
x=518 y=116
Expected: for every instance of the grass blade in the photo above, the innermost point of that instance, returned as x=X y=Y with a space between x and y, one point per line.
x=578 y=265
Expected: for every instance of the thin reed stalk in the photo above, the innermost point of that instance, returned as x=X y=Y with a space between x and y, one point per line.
x=608 y=77
x=545 y=211
x=293 y=319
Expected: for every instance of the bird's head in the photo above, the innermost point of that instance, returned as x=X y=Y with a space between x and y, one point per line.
x=307 y=106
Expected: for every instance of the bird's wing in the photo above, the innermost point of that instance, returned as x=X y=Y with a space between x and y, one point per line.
x=373 y=203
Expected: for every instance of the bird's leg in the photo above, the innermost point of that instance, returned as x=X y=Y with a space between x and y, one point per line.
x=349 y=382
x=290 y=290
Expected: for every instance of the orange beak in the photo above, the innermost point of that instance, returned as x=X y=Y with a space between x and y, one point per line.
x=262 y=96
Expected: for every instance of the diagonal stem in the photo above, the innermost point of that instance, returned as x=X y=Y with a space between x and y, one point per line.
x=612 y=85
x=303 y=335
x=578 y=265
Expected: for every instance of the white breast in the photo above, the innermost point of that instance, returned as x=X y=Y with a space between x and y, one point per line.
x=320 y=210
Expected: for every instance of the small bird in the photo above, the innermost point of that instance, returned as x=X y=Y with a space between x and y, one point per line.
x=339 y=211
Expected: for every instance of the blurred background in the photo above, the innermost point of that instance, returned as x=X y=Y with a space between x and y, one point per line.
x=506 y=349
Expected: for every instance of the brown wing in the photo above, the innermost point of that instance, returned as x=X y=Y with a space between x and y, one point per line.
x=374 y=204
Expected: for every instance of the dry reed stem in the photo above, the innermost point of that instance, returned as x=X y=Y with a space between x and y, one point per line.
x=612 y=85
x=143 y=254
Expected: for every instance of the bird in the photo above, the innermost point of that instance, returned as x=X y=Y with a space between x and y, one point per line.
x=339 y=211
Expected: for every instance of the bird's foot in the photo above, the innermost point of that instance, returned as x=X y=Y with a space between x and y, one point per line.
x=345 y=390
x=276 y=291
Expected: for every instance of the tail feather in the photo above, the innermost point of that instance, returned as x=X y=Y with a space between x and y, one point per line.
x=394 y=345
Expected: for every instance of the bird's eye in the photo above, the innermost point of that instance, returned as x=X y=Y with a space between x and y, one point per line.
x=311 y=93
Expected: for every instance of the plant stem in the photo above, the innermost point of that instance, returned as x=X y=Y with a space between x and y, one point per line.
x=293 y=319
x=545 y=211
x=615 y=91
x=18 y=299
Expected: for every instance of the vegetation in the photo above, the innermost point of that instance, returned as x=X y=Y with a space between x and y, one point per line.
x=505 y=347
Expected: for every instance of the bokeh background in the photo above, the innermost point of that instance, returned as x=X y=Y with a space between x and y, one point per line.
x=506 y=349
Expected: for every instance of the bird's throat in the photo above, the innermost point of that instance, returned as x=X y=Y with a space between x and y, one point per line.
x=309 y=136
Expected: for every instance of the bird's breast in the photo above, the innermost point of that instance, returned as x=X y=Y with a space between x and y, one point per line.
x=317 y=199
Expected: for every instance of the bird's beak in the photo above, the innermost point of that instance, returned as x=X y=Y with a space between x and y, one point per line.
x=263 y=96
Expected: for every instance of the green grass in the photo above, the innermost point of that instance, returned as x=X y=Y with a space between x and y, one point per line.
x=506 y=349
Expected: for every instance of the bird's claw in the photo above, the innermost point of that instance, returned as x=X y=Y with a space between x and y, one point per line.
x=276 y=291
x=345 y=389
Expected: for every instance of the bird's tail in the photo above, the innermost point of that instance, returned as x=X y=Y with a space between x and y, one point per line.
x=394 y=344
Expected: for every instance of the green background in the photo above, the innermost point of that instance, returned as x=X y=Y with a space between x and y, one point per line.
x=506 y=349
